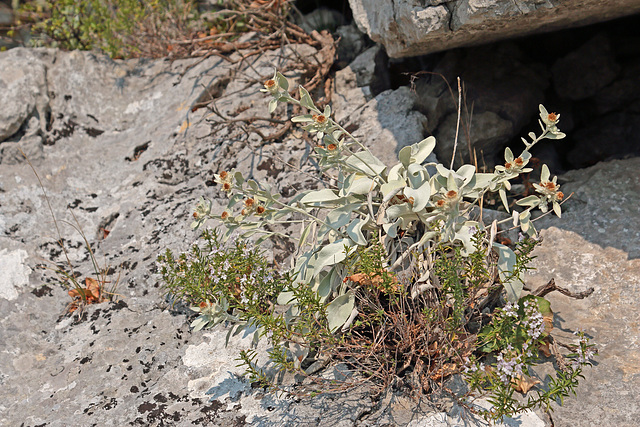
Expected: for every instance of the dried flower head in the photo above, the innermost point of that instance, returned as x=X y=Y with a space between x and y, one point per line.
x=226 y=186
x=451 y=194
x=243 y=212
x=260 y=210
x=319 y=118
x=440 y=203
x=550 y=186
x=195 y=215
x=411 y=200
x=553 y=117
x=249 y=202
x=270 y=84
x=519 y=161
x=559 y=195
x=224 y=175
x=224 y=215
x=331 y=147
x=508 y=165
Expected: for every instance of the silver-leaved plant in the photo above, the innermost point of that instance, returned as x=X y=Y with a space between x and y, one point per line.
x=406 y=207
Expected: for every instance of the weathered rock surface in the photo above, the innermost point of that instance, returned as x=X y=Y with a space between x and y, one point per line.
x=414 y=27
x=128 y=151
x=597 y=244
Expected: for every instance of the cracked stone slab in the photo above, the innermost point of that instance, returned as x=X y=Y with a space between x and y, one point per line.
x=416 y=27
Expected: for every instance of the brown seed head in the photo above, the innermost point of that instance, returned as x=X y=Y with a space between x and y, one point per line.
x=331 y=147
x=550 y=186
x=319 y=118
x=560 y=195
x=440 y=203
x=451 y=194
x=195 y=214
x=249 y=202
x=224 y=215
x=519 y=161
x=226 y=186
x=270 y=84
x=508 y=165
x=224 y=175
x=552 y=117
x=260 y=210
x=243 y=212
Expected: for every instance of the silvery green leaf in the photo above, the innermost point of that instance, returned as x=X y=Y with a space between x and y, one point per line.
x=544 y=174
x=396 y=172
x=273 y=104
x=330 y=254
x=397 y=211
x=514 y=217
x=525 y=155
x=417 y=175
x=451 y=182
x=339 y=310
x=442 y=170
x=391 y=188
x=282 y=81
x=405 y=156
x=254 y=185
x=286 y=298
x=305 y=233
x=239 y=178
x=319 y=196
x=544 y=114
x=362 y=185
x=508 y=155
x=366 y=162
x=482 y=180
x=325 y=285
x=304 y=118
x=199 y=323
x=466 y=172
x=555 y=135
x=305 y=99
x=354 y=230
x=392 y=228
x=422 y=149
x=532 y=136
x=557 y=209
x=503 y=197
x=420 y=196
x=337 y=218
x=327 y=111
x=529 y=201
x=506 y=263
x=464 y=235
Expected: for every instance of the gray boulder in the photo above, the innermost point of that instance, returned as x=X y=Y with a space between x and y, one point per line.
x=597 y=244
x=413 y=27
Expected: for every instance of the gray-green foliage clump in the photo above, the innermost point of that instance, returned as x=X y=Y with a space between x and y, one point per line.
x=392 y=274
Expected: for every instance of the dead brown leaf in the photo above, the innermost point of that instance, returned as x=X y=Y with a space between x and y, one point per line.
x=524 y=383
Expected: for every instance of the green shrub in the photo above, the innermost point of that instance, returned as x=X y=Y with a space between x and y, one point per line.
x=120 y=28
x=392 y=275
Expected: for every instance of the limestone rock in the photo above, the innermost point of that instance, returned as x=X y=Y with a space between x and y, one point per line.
x=388 y=123
x=414 y=27
x=24 y=90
